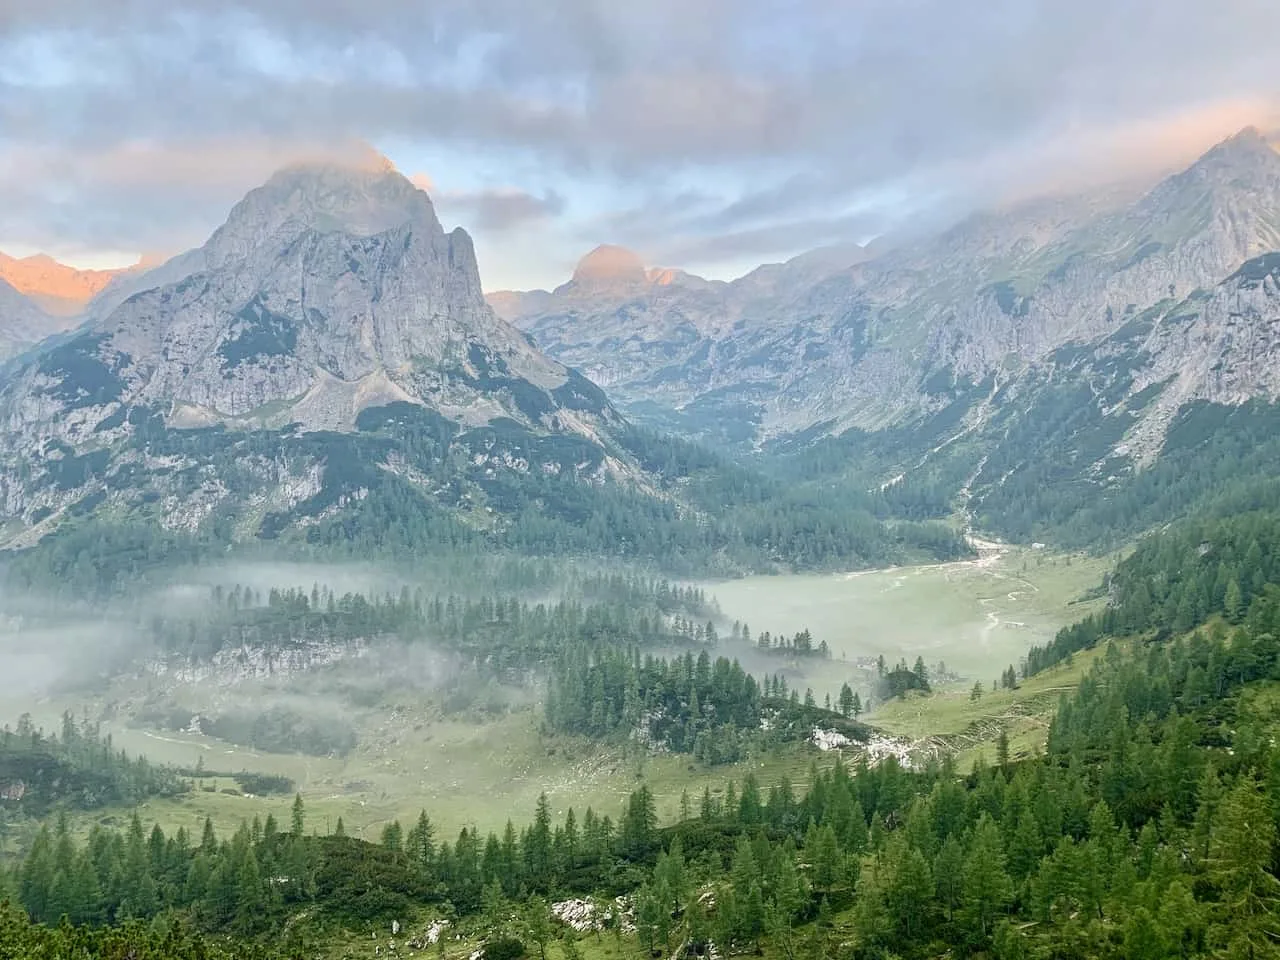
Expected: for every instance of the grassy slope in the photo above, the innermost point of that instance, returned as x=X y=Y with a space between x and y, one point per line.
x=948 y=719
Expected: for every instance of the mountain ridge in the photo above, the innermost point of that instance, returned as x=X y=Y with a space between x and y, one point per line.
x=56 y=288
x=854 y=344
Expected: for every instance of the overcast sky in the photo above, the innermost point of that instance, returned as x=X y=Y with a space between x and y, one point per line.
x=709 y=134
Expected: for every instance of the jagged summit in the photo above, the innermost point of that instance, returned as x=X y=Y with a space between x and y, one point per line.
x=1247 y=153
x=1248 y=138
x=329 y=289
x=325 y=198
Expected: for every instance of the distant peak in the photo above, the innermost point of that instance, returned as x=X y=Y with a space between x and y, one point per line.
x=610 y=264
x=329 y=173
x=663 y=276
x=55 y=286
x=356 y=158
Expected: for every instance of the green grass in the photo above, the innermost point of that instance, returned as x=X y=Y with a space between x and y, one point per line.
x=977 y=616
x=948 y=719
x=409 y=758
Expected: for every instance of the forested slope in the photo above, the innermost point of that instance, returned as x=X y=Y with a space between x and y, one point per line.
x=1147 y=829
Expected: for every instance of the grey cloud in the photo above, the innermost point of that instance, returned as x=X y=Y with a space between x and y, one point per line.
x=499 y=210
x=773 y=242
x=814 y=102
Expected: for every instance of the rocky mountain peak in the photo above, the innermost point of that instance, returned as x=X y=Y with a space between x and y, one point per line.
x=328 y=290
x=609 y=265
x=325 y=198
x=1249 y=140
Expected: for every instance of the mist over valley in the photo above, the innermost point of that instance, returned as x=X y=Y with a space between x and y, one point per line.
x=587 y=484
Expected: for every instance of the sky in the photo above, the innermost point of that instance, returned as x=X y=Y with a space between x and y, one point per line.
x=707 y=134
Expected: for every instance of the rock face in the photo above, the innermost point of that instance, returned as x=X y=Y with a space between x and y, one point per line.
x=840 y=339
x=328 y=292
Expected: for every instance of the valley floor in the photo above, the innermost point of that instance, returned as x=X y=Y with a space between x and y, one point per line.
x=977 y=616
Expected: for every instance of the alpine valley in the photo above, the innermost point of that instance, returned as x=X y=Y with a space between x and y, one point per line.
x=1060 y=348
x=325 y=372
x=910 y=601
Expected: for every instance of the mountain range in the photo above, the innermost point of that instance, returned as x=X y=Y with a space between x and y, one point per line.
x=843 y=338
x=328 y=353
x=57 y=289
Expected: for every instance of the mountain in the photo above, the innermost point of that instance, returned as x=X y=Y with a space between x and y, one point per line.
x=59 y=290
x=324 y=372
x=330 y=304
x=840 y=339
x=326 y=292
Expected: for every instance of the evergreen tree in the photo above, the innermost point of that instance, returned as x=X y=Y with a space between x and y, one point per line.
x=1241 y=852
x=986 y=884
x=297 y=818
x=846 y=700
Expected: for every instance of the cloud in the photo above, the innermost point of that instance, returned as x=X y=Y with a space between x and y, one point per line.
x=778 y=113
x=499 y=210
x=144 y=195
x=772 y=242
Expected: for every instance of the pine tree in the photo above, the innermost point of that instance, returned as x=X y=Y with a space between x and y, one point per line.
x=537 y=851
x=1143 y=939
x=537 y=925
x=297 y=817
x=420 y=844
x=986 y=884
x=1233 y=603
x=249 y=891
x=1240 y=857
x=36 y=877
x=670 y=877
x=825 y=858
x=908 y=890
x=872 y=922
x=392 y=836
x=948 y=872
x=208 y=838
x=648 y=916
x=846 y=700
x=1002 y=749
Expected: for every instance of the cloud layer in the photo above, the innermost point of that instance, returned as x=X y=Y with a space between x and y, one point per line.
x=720 y=130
